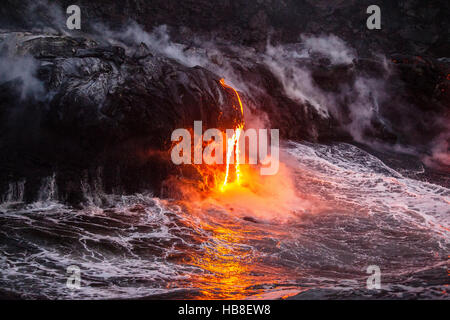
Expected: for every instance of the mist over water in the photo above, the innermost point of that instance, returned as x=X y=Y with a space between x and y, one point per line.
x=346 y=210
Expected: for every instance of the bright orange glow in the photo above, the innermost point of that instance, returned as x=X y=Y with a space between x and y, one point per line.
x=230 y=268
x=233 y=143
x=238 y=171
x=218 y=176
x=222 y=82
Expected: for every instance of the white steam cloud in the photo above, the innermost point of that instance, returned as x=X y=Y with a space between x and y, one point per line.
x=285 y=64
x=440 y=152
x=15 y=67
x=47 y=17
x=331 y=47
x=290 y=64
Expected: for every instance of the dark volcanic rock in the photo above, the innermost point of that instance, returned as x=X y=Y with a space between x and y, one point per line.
x=408 y=26
x=92 y=112
x=103 y=116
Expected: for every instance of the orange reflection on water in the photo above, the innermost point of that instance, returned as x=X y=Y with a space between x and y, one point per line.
x=225 y=265
x=239 y=231
x=231 y=269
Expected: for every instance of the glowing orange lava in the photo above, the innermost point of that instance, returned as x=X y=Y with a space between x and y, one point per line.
x=233 y=143
x=222 y=82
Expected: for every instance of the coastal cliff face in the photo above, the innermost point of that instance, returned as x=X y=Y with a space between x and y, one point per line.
x=93 y=107
x=87 y=106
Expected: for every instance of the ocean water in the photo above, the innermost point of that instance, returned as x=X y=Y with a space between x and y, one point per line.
x=335 y=211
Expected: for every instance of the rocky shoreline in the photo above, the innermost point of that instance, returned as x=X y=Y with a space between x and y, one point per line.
x=90 y=110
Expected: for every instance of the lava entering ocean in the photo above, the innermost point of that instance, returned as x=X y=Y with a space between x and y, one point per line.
x=209 y=164
x=236 y=183
x=233 y=142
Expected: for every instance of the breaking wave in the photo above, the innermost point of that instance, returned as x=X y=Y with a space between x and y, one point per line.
x=351 y=211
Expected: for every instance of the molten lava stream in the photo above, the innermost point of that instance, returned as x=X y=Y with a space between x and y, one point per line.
x=243 y=189
x=233 y=143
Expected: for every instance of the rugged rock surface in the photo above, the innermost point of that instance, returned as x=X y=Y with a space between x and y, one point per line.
x=101 y=110
x=408 y=26
x=100 y=116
